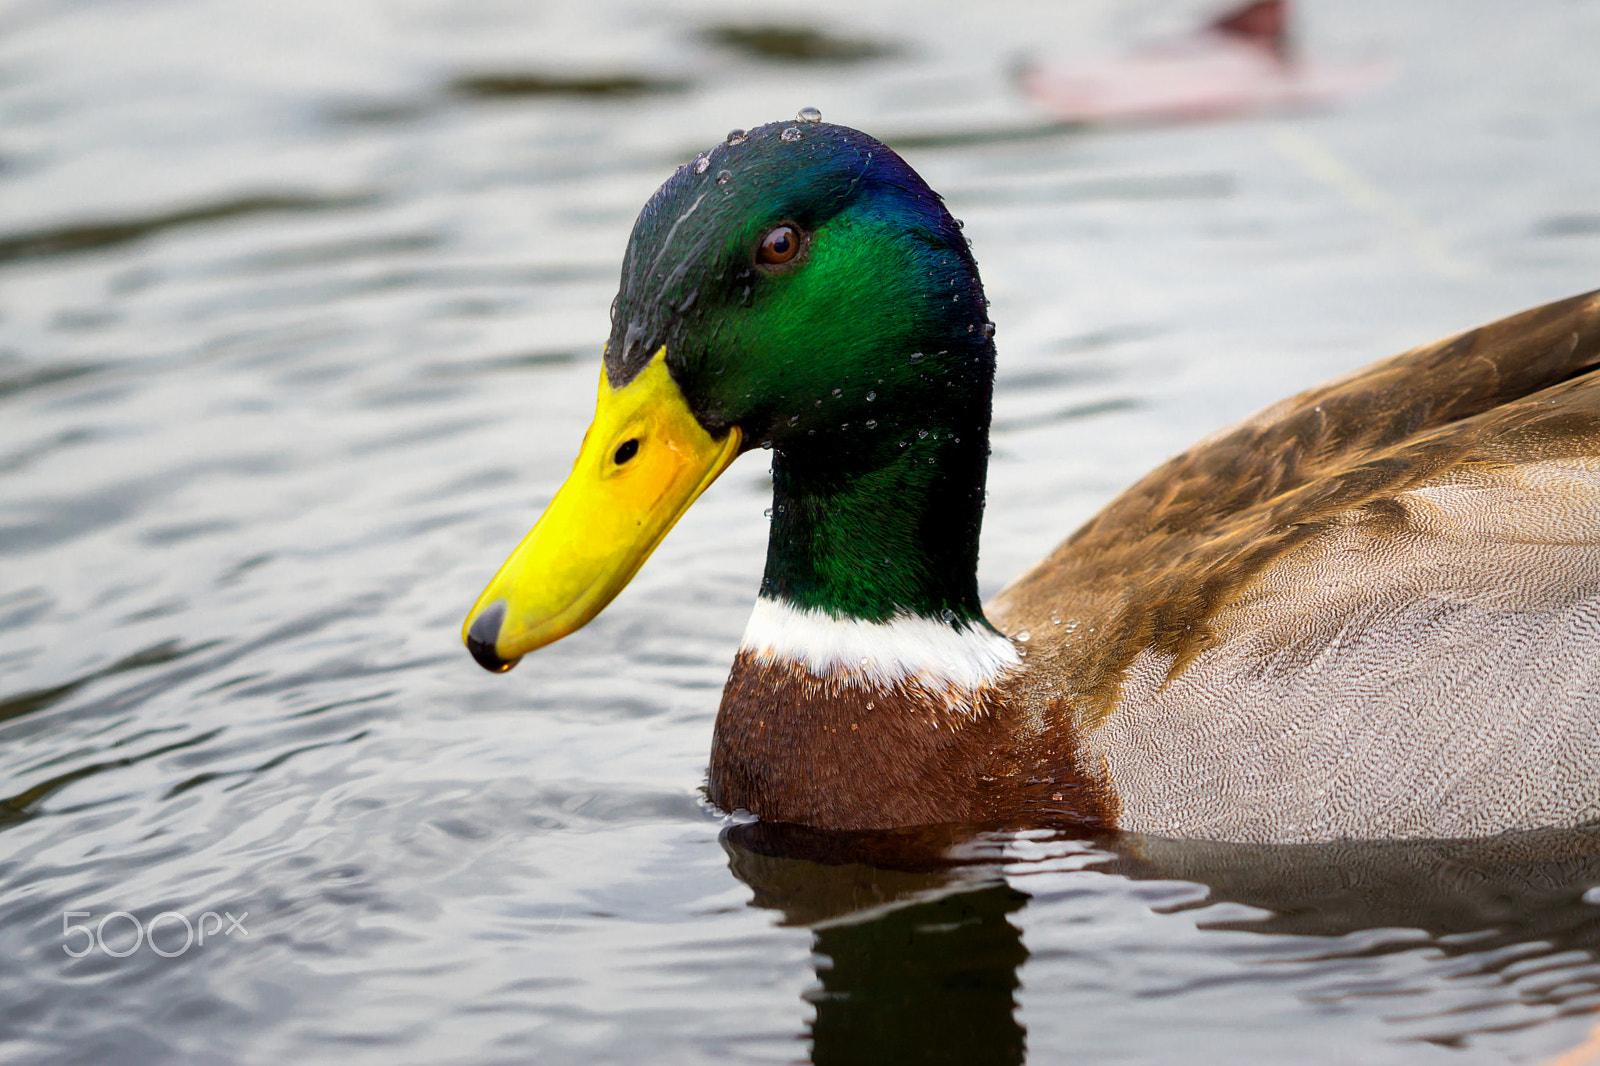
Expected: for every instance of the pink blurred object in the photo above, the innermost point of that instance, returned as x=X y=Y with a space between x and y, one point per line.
x=1242 y=63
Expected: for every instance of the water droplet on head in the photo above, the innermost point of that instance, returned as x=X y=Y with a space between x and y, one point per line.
x=809 y=114
x=819 y=403
x=794 y=420
x=1023 y=635
x=915 y=356
x=790 y=134
x=922 y=434
x=988 y=329
x=701 y=165
x=723 y=177
x=871 y=423
x=735 y=137
x=960 y=224
x=947 y=616
x=768 y=512
x=872 y=396
x=838 y=392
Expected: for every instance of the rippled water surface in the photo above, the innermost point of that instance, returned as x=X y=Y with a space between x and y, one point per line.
x=300 y=314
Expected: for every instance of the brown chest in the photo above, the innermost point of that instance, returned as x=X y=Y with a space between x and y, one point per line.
x=842 y=754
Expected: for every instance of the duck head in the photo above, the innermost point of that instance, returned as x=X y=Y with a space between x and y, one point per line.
x=798 y=288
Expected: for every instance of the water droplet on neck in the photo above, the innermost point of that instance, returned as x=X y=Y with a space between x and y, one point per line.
x=988 y=329
x=922 y=434
x=915 y=356
x=809 y=114
x=1023 y=635
x=724 y=176
x=947 y=616
x=735 y=137
x=871 y=423
x=872 y=396
x=838 y=392
x=701 y=165
x=790 y=134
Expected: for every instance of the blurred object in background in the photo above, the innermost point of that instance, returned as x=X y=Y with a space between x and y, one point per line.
x=1241 y=63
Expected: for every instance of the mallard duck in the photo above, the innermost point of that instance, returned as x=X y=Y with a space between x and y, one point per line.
x=1371 y=611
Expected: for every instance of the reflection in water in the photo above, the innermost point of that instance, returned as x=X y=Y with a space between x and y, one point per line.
x=506 y=84
x=915 y=965
x=918 y=958
x=1516 y=887
x=796 y=44
x=86 y=236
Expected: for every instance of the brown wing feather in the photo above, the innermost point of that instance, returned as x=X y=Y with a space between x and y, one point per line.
x=1154 y=569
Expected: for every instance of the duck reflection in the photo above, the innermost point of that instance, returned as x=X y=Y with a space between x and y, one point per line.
x=916 y=958
x=918 y=953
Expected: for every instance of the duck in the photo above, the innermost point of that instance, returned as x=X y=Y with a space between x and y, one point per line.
x=1371 y=611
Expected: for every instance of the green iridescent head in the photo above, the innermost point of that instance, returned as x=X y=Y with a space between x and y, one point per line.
x=878 y=288
x=799 y=288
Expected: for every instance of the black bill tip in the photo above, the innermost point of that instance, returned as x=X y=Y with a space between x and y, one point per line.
x=483 y=633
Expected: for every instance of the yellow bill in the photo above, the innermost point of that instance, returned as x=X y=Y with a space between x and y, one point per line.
x=644 y=460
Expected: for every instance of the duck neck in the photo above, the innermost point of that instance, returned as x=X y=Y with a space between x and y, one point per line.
x=883 y=522
x=869 y=690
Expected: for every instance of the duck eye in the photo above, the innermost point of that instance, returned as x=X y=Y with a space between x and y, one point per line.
x=779 y=246
x=625 y=451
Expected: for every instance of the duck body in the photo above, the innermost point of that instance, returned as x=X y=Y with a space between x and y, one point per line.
x=1370 y=611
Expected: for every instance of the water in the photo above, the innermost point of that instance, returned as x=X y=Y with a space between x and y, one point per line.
x=300 y=315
